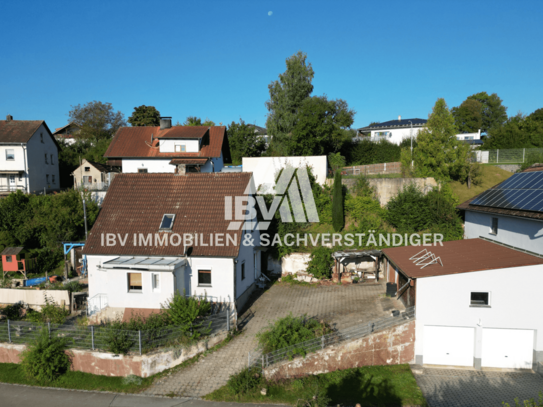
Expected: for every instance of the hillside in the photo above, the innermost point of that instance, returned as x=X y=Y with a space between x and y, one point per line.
x=491 y=176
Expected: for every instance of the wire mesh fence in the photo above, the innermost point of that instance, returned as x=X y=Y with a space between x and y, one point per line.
x=101 y=337
x=263 y=360
x=507 y=156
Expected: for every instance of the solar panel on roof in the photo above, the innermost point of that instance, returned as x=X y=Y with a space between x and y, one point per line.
x=522 y=191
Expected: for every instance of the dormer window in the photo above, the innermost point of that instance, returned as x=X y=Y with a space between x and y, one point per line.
x=180 y=148
x=167 y=222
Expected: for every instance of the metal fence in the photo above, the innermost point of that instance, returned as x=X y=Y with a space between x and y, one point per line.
x=258 y=359
x=507 y=156
x=99 y=337
x=373 y=169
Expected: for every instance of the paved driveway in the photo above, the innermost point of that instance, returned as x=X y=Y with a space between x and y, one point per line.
x=468 y=388
x=341 y=305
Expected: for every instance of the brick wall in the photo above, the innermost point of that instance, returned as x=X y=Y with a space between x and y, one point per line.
x=392 y=346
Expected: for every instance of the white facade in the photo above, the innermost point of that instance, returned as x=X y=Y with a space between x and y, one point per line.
x=469 y=136
x=162 y=165
x=523 y=233
x=396 y=136
x=507 y=333
x=180 y=145
x=266 y=169
x=31 y=167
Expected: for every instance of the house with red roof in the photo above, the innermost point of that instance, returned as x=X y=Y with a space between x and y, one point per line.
x=476 y=301
x=169 y=149
x=162 y=233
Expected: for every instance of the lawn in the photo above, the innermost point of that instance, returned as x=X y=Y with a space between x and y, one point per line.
x=491 y=175
x=369 y=386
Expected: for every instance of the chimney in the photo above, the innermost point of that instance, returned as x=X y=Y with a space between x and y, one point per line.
x=399 y=118
x=9 y=118
x=165 y=123
x=181 y=169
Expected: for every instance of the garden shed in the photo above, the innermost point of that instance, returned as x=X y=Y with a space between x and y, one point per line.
x=11 y=260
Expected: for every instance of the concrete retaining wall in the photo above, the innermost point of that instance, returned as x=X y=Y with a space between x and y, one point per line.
x=34 y=298
x=107 y=364
x=392 y=346
x=509 y=167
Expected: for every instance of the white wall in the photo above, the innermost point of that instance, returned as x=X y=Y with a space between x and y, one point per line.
x=168 y=145
x=266 y=169
x=397 y=135
x=515 y=301
x=37 y=168
x=18 y=164
x=222 y=279
x=522 y=233
x=157 y=165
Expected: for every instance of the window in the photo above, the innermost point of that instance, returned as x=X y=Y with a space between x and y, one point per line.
x=46 y=159
x=479 y=299
x=204 y=277
x=134 y=283
x=10 y=154
x=155 y=279
x=53 y=178
x=8 y=259
x=87 y=180
x=87 y=169
x=12 y=180
x=52 y=162
x=180 y=148
x=243 y=271
x=167 y=222
x=494 y=226
x=47 y=178
x=20 y=176
x=142 y=170
x=41 y=137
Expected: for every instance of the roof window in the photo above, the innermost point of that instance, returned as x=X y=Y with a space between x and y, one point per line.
x=167 y=222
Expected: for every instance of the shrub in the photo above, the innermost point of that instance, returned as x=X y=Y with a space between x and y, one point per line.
x=244 y=381
x=13 y=311
x=531 y=159
x=368 y=152
x=50 y=312
x=527 y=403
x=320 y=265
x=118 y=340
x=187 y=313
x=290 y=331
x=45 y=358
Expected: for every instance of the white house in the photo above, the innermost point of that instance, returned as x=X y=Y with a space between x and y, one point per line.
x=510 y=212
x=475 y=306
x=162 y=149
x=158 y=234
x=28 y=157
x=66 y=133
x=394 y=131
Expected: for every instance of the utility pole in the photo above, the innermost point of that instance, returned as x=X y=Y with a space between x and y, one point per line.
x=411 y=142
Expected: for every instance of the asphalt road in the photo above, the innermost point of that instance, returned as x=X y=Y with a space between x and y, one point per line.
x=23 y=396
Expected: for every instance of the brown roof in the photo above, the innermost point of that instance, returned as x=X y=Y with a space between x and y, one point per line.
x=189 y=161
x=535 y=167
x=102 y=167
x=135 y=141
x=136 y=203
x=18 y=131
x=460 y=256
x=13 y=251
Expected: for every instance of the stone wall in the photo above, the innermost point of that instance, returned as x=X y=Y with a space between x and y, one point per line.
x=108 y=364
x=509 y=167
x=392 y=346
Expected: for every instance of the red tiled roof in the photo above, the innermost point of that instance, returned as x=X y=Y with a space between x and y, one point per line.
x=18 y=131
x=535 y=167
x=135 y=141
x=189 y=161
x=460 y=256
x=136 y=203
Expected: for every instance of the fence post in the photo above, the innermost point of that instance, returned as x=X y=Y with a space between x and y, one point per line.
x=322 y=342
x=139 y=340
x=92 y=336
x=497 y=156
x=228 y=318
x=523 y=154
x=9 y=332
x=49 y=328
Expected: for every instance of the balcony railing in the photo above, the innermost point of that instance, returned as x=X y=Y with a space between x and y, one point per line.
x=11 y=188
x=95 y=186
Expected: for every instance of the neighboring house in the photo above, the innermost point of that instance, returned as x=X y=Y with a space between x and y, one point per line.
x=477 y=306
x=29 y=157
x=262 y=133
x=474 y=139
x=510 y=212
x=394 y=131
x=167 y=149
x=161 y=211
x=93 y=176
x=66 y=133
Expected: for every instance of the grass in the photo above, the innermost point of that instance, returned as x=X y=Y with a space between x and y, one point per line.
x=491 y=176
x=369 y=386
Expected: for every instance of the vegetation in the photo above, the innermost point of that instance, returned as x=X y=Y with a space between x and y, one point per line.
x=96 y=120
x=336 y=161
x=321 y=263
x=369 y=386
x=517 y=132
x=196 y=121
x=145 y=116
x=187 y=313
x=289 y=331
x=531 y=159
x=244 y=142
x=49 y=312
x=480 y=111
x=527 y=403
x=490 y=176
x=338 y=218
x=365 y=152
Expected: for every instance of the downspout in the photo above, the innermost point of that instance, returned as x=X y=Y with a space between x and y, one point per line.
x=26 y=169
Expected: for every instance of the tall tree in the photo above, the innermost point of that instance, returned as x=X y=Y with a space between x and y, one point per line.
x=468 y=117
x=96 y=120
x=338 y=217
x=286 y=97
x=196 y=121
x=244 y=142
x=517 y=132
x=145 y=116
x=493 y=113
x=437 y=152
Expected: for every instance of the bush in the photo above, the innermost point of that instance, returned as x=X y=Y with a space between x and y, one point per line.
x=338 y=218
x=527 y=403
x=13 y=312
x=50 y=312
x=188 y=312
x=118 y=340
x=531 y=159
x=368 y=152
x=320 y=265
x=45 y=358
x=290 y=331
x=244 y=381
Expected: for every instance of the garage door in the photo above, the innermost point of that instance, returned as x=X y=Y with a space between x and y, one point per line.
x=444 y=345
x=508 y=348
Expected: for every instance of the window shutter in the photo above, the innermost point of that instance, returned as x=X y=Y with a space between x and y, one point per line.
x=135 y=279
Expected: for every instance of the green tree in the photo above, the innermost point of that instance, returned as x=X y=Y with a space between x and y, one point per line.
x=517 y=132
x=96 y=120
x=468 y=117
x=336 y=161
x=338 y=218
x=196 y=121
x=438 y=151
x=243 y=141
x=286 y=97
x=145 y=116
x=493 y=114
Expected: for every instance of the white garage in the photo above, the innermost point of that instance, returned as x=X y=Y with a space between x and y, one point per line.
x=453 y=346
x=507 y=348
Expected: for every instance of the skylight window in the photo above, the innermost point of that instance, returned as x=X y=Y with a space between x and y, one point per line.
x=167 y=222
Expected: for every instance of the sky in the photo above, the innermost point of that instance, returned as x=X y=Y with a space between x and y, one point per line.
x=215 y=58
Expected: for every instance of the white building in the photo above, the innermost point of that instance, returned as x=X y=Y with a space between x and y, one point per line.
x=28 y=157
x=167 y=149
x=394 y=131
x=510 y=213
x=475 y=306
x=168 y=233
x=66 y=134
